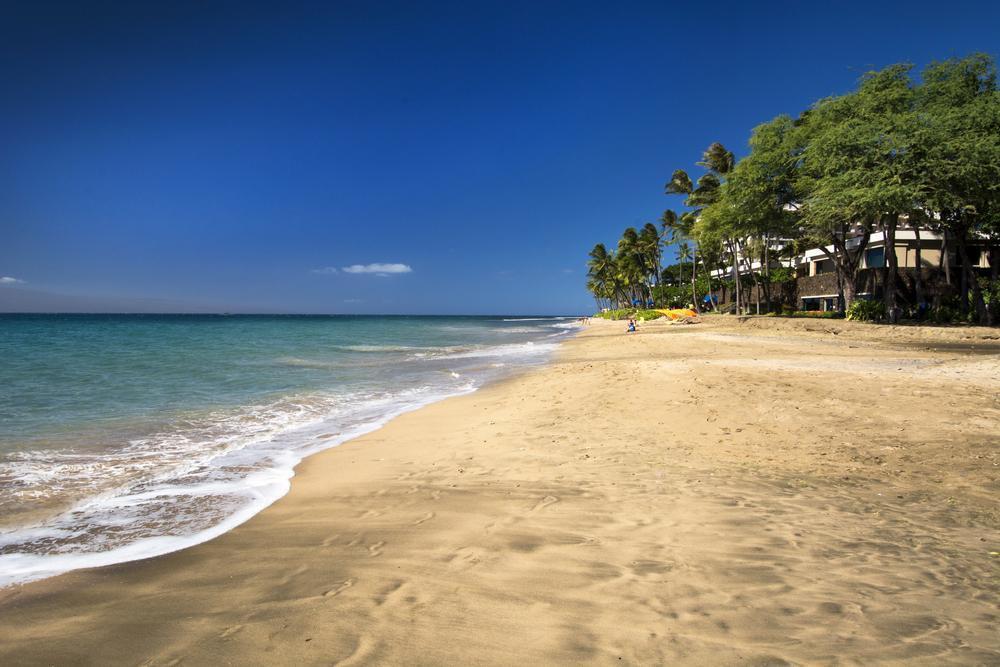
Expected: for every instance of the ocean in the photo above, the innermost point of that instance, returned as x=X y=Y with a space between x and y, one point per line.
x=129 y=436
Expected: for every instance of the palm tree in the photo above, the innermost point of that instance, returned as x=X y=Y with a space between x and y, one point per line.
x=634 y=265
x=719 y=162
x=602 y=274
x=679 y=184
x=649 y=240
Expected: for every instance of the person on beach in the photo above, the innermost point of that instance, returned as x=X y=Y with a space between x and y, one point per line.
x=631 y=327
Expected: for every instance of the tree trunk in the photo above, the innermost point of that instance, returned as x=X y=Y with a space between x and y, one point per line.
x=993 y=310
x=918 y=280
x=969 y=278
x=755 y=278
x=848 y=293
x=739 y=280
x=847 y=263
x=756 y=283
x=841 y=299
x=694 y=292
x=943 y=261
x=963 y=276
x=767 y=272
x=711 y=294
x=892 y=265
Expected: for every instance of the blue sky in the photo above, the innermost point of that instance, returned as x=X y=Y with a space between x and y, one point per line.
x=229 y=156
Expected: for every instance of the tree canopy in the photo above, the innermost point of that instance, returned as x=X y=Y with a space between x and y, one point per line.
x=897 y=150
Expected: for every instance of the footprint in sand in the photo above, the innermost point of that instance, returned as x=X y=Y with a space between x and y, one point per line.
x=330 y=540
x=424 y=518
x=463 y=557
x=544 y=502
x=340 y=588
x=388 y=593
x=232 y=630
x=376 y=549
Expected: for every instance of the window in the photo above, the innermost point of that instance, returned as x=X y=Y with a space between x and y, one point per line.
x=824 y=266
x=975 y=256
x=875 y=258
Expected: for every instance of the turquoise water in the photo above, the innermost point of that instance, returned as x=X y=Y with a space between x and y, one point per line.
x=126 y=436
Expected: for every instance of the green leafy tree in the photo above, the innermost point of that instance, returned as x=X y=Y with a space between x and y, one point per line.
x=859 y=171
x=958 y=110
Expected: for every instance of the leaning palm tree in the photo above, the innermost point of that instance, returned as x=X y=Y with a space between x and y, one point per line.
x=633 y=265
x=649 y=240
x=602 y=271
x=719 y=162
x=679 y=184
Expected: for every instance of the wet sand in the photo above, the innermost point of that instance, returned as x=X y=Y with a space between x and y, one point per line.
x=758 y=492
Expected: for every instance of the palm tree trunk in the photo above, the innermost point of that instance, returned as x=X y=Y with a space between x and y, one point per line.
x=694 y=294
x=708 y=277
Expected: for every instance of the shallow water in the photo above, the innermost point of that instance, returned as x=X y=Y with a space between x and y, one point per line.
x=127 y=436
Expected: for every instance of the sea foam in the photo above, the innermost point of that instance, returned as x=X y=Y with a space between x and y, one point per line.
x=187 y=477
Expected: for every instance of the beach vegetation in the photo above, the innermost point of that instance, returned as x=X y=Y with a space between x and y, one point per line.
x=629 y=314
x=866 y=311
x=811 y=314
x=902 y=148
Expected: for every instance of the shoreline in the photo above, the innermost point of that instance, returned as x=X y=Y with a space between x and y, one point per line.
x=667 y=497
x=275 y=485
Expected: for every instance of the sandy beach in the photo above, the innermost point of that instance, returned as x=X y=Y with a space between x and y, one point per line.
x=756 y=492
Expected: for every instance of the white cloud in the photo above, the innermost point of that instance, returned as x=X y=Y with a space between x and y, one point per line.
x=326 y=270
x=7 y=280
x=353 y=300
x=378 y=269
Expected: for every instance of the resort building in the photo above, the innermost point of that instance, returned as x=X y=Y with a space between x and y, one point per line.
x=816 y=283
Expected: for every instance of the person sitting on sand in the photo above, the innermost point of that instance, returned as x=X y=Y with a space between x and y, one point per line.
x=631 y=327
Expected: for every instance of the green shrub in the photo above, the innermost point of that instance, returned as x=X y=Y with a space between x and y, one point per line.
x=866 y=311
x=629 y=314
x=944 y=315
x=818 y=314
x=991 y=292
x=616 y=314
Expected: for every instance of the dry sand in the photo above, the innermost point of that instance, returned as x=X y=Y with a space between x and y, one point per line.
x=764 y=492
